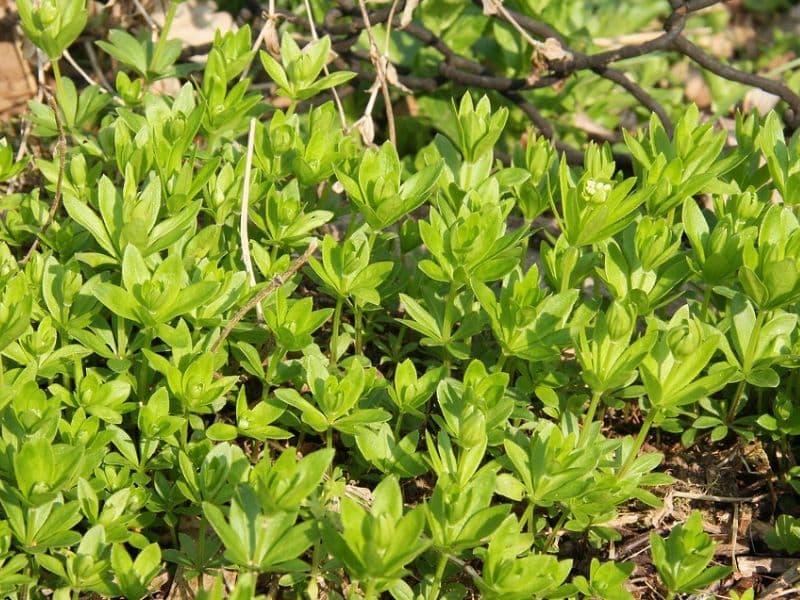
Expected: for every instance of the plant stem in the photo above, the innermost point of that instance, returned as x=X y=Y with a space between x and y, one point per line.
x=551 y=539
x=337 y=317
x=329 y=438
x=397 y=426
x=312 y=588
x=371 y=237
x=447 y=322
x=162 y=38
x=359 y=341
x=734 y=408
x=648 y=422
x=57 y=76
x=351 y=226
x=589 y=419
x=369 y=592
x=143 y=374
x=201 y=550
x=437 y=578
x=67 y=380
x=273 y=256
x=747 y=364
x=77 y=370
x=272 y=366
x=706 y=303
x=527 y=516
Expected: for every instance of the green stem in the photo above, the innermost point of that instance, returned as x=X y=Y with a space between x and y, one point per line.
x=351 y=226
x=648 y=423
x=501 y=362
x=671 y=217
x=78 y=372
x=162 y=38
x=66 y=378
x=291 y=109
x=737 y=395
x=2 y=373
x=397 y=426
x=312 y=590
x=370 y=593
x=337 y=317
x=706 y=303
x=589 y=419
x=121 y=341
x=371 y=237
x=747 y=364
x=551 y=539
x=273 y=256
x=173 y=534
x=359 y=340
x=397 y=347
x=143 y=374
x=274 y=362
x=201 y=550
x=329 y=438
x=57 y=75
x=525 y=245
x=447 y=322
x=527 y=517
x=436 y=586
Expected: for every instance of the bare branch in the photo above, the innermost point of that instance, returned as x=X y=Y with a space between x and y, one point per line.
x=62 y=158
x=277 y=281
x=772 y=86
x=345 y=23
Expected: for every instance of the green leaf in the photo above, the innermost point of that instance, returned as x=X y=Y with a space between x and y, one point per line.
x=83 y=215
x=116 y=299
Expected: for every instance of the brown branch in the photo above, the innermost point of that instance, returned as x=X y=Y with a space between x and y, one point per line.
x=277 y=281
x=640 y=94
x=465 y=72
x=62 y=158
x=380 y=68
x=347 y=21
x=772 y=86
x=598 y=63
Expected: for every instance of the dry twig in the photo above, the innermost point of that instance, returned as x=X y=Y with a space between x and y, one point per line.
x=61 y=146
x=245 y=216
x=726 y=499
x=276 y=282
x=346 y=22
x=80 y=71
x=380 y=62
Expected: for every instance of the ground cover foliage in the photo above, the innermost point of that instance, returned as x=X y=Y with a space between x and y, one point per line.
x=246 y=351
